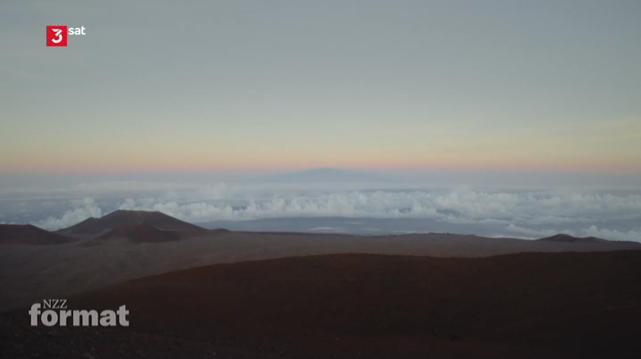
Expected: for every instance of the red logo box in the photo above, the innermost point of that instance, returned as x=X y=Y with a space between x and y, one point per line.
x=57 y=36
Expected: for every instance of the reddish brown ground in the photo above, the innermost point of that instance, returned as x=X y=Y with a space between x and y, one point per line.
x=552 y=305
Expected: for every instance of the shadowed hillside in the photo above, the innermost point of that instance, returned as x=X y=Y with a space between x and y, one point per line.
x=140 y=232
x=28 y=234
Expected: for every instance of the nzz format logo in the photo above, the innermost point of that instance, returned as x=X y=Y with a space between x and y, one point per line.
x=57 y=35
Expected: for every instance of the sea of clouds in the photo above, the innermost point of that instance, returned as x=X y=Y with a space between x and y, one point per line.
x=510 y=212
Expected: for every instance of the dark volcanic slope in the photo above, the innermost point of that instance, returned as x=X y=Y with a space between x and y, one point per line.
x=119 y=218
x=28 y=234
x=140 y=232
x=571 y=305
x=566 y=238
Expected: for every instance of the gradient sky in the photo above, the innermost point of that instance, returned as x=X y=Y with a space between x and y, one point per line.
x=238 y=85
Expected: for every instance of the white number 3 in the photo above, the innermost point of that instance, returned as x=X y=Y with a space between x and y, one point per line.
x=58 y=36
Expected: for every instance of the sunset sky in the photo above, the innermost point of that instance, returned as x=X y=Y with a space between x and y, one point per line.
x=552 y=86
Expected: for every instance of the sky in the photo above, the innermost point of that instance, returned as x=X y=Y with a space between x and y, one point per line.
x=499 y=118
x=269 y=86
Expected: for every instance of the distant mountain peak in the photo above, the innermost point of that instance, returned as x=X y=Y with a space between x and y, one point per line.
x=133 y=211
x=322 y=175
x=121 y=217
x=562 y=237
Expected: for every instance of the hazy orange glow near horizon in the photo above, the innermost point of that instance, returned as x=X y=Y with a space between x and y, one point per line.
x=150 y=166
x=264 y=88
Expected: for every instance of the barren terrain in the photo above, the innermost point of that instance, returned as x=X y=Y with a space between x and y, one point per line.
x=533 y=305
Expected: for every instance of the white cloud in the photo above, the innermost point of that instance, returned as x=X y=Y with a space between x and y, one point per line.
x=613 y=234
x=82 y=209
x=528 y=213
x=348 y=204
x=326 y=229
x=533 y=233
x=460 y=206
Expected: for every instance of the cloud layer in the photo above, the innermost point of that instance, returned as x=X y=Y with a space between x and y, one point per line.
x=521 y=213
x=82 y=209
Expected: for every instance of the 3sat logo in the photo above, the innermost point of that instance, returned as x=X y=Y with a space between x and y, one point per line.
x=57 y=35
